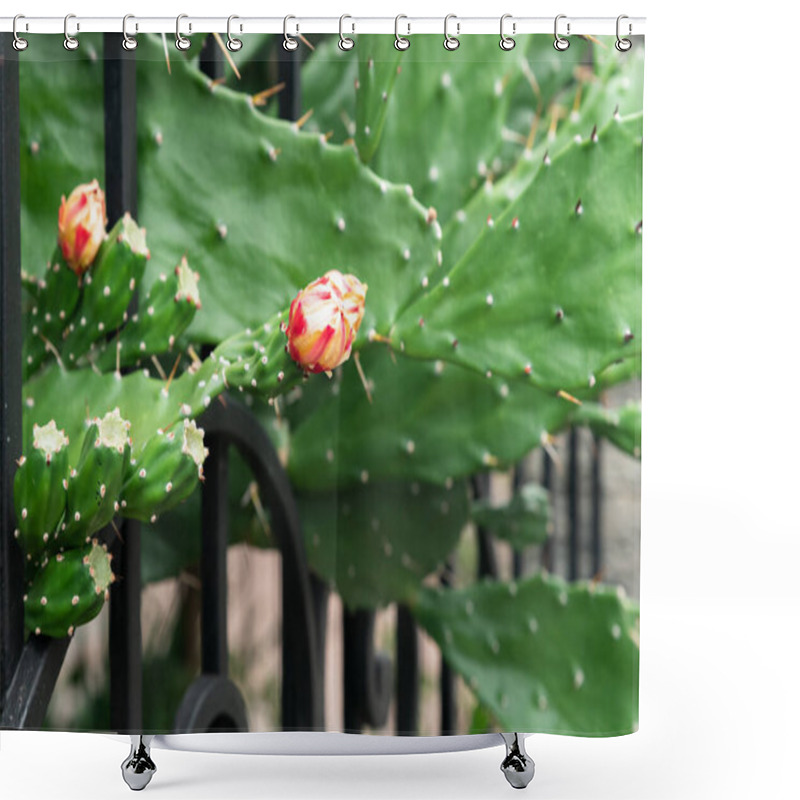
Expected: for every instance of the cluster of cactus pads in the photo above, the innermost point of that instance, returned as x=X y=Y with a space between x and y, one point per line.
x=492 y=203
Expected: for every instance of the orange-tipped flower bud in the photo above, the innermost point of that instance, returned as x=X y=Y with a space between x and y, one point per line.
x=324 y=319
x=82 y=225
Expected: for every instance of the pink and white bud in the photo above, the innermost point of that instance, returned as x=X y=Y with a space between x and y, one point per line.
x=82 y=225
x=324 y=319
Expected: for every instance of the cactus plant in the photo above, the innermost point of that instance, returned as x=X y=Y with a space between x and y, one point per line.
x=541 y=653
x=622 y=426
x=69 y=590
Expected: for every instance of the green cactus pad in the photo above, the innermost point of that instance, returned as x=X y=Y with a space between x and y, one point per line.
x=165 y=473
x=95 y=484
x=378 y=68
x=108 y=287
x=69 y=590
x=291 y=206
x=40 y=487
x=428 y=421
x=163 y=316
x=567 y=301
x=377 y=542
x=541 y=654
x=571 y=110
x=524 y=520
x=445 y=119
x=622 y=426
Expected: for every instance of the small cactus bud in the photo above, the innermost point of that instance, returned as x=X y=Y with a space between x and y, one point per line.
x=82 y=225
x=323 y=321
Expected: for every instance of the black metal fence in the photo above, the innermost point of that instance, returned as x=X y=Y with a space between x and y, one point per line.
x=29 y=669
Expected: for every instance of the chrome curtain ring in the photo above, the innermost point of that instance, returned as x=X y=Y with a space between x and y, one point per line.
x=181 y=42
x=623 y=45
x=128 y=42
x=19 y=43
x=401 y=42
x=560 y=43
x=289 y=43
x=70 y=42
x=451 y=42
x=506 y=42
x=345 y=42
x=233 y=44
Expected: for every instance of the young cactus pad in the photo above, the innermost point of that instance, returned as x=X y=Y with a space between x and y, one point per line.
x=567 y=301
x=68 y=591
x=569 y=652
x=524 y=520
x=40 y=487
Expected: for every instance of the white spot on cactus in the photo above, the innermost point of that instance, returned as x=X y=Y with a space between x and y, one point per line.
x=264 y=360
x=340 y=223
x=504 y=391
x=592 y=381
x=515 y=224
x=112 y=431
x=542 y=703
x=186 y=410
x=153 y=519
x=406 y=254
x=409 y=190
x=367 y=130
x=45 y=537
x=132 y=284
x=533 y=625
x=410 y=447
x=187 y=283
x=482 y=168
x=579 y=208
x=38 y=630
x=158 y=138
x=193 y=445
x=48 y=440
x=29 y=402
x=616 y=631
x=102 y=490
x=43 y=601
x=47 y=317
x=490 y=299
x=439 y=263
x=142 y=473
x=83 y=322
x=577 y=138
x=448 y=483
x=364 y=476
x=438 y=367
x=168 y=487
x=578 y=678
x=383 y=186
x=75 y=599
x=469 y=607
x=433 y=174
x=546 y=160
x=424 y=281
x=446 y=279
x=494 y=645
x=106 y=291
x=490 y=221
x=498 y=87
x=406 y=561
x=142 y=346
x=206 y=401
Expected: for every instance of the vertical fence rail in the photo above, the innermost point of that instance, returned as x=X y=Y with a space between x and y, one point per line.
x=125 y=628
x=11 y=559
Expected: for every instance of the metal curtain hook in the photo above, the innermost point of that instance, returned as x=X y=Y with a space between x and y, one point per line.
x=288 y=42
x=400 y=42
x=181 y=42
x=345 y=42
x=506 y=42
x=70 y=42
x=560 y=44
x=19 y=43
x=623 y=45
x=128 y=42
x=451 y=42
x=233 y=44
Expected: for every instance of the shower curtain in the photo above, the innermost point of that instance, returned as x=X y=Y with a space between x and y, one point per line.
x=329 y=377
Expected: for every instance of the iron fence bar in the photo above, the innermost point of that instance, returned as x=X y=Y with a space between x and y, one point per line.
x=33 y=682
x=573 y=502
x=447 y=686
x=547 y=482
x=487 y=558
x=211 y=63
x=124 y=619
x=407 y=673
x=290 y=102
x=301 y=700
x=11 y=558
x=214 y=559
x=597 y=509
x=518 y=554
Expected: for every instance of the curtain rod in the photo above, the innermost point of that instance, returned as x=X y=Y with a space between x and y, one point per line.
x=407 y=26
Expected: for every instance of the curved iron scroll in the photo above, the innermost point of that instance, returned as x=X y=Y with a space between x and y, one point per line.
x=301 y=701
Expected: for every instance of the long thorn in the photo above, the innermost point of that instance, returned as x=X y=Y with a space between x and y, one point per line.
x=227 y=55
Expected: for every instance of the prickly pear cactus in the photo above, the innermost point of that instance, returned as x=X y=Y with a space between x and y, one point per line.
x=69 y=590
x=569 y=652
